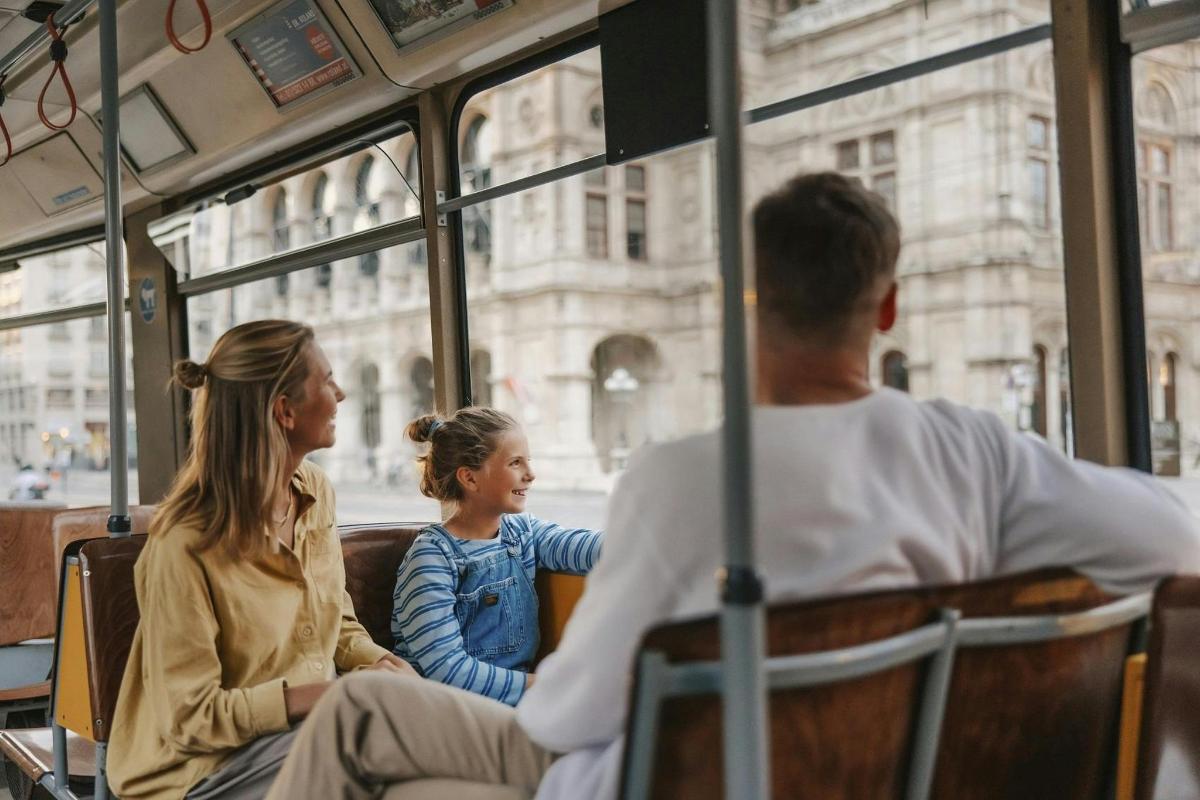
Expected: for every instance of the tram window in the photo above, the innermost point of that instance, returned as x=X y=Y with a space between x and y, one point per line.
x=374 y=186
x=876 y=36
x=975 y=325
x=598 y=365
x=1166 y=133
x=381 y=354
x=61 y=279
x=550 y=117
x=55 y=400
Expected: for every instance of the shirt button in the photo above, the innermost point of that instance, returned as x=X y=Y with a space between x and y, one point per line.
x=300 y=585
x=307 y=631
x=316 y=666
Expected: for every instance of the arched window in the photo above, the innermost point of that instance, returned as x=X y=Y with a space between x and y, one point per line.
x=476 y=175
x=281 y=236
x=895 y=370
x=1166 y=377
x=1039 y=390
x=481 y=378
x=369 y=391
x=368 y=214
x=322 y=225
x=412 y=202
x=624 y=369
x=421 y=379
x=1064 y=401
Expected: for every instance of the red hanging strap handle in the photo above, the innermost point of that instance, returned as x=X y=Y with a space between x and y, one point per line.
x=58 y=54
x=8 y=150
x=174 y=39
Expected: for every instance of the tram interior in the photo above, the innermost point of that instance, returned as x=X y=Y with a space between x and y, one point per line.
x=1042 y=161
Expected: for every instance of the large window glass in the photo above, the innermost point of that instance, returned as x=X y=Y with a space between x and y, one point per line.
x=55 y=438
x=967 y=160
x=597 y=298
x=373 y=186
x=375 y=329
x=1167 y=131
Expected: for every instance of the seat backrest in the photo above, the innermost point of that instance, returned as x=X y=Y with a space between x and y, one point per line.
x=372 y=554
x=1171 y=705
x=28 y=571
x=91 y=522
x=110 y=619
x=1021 y=720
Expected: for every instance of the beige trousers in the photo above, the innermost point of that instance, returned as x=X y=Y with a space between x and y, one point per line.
x=378 y=734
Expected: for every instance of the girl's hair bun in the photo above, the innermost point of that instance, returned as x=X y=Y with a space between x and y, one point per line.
x=421 y=429
x=189 y=374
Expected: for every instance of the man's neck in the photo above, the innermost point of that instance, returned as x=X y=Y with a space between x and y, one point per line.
x=798 y=373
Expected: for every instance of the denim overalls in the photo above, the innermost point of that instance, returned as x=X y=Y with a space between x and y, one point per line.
x=495 y=603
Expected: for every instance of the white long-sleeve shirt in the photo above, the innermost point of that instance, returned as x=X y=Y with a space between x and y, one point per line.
x=878 y=493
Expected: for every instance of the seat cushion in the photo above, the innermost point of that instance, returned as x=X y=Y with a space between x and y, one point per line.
x=32 y=750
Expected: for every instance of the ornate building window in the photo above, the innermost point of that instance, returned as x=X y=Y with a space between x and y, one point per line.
x=367 y=213
x=635 y=212
x=481 y=378
x=421 y=381
x=1037 y=166
x=876 y=168
x=477 y=175
x=895 y=370
x=369 y=387
x=281 y=236
x=1155 y=163
x=596 y=212
x=1039 y=415
x=322 y=226
x=1167 y=373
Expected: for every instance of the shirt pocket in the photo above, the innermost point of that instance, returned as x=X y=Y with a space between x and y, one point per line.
x=491 y=619
x=325 y=569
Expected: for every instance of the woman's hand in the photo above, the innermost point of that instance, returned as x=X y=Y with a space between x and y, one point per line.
x=391 y=662
x=529 y=680
x=299 y=700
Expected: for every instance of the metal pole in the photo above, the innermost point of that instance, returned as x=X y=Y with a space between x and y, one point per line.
x=114 y=234
x=742 y=618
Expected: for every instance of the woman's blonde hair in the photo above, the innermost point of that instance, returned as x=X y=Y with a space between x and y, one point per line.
x=464 y=439
x=232 y=481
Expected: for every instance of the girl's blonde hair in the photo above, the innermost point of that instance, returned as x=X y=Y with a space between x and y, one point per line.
x=231 y=480
x=464 y=439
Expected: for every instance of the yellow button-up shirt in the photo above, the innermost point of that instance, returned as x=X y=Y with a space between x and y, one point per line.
x=218 y=640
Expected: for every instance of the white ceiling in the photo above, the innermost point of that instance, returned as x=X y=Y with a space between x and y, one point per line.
x=13 y=27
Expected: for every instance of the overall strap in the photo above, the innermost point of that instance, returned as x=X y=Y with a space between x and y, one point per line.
x=456 y=553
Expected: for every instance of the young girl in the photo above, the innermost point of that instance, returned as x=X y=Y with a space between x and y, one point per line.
x=465 y=610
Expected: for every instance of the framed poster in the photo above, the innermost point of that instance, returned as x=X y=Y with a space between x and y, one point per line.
x=410 y=20
x=293 y=52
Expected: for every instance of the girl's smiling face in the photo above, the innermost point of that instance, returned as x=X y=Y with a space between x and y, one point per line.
x=500 y=483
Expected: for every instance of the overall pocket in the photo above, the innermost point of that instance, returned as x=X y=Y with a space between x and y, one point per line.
x=491 y=619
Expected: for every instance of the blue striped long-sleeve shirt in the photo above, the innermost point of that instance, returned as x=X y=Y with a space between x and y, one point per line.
x=424 y=624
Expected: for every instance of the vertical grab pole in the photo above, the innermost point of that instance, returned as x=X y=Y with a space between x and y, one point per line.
x=742 y=620
x=114 y=251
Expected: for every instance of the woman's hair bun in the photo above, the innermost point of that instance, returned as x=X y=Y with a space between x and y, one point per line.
x=421 y=429
x=189 y=374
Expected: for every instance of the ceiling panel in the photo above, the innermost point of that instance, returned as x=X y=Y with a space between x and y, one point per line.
x=13 y=27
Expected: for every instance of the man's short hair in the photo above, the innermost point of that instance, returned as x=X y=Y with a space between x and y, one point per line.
x=822 y=245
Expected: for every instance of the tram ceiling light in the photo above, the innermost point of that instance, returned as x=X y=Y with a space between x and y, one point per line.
x=239 y=194
x=150 y=137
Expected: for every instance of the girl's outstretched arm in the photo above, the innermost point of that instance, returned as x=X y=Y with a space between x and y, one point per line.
x=571 y=550
x=423 y=617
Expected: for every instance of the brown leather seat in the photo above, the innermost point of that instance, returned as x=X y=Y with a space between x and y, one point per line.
x=32 y=751
x=27 y=571
x=92 y=523
x=1171 y=709
x=1027 y=720
x=372 y=554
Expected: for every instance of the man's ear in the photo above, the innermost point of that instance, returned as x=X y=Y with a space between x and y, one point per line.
x=887 y=309
x=466 y=479
x=283 y=413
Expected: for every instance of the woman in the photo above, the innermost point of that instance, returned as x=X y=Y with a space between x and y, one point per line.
x=244 y=613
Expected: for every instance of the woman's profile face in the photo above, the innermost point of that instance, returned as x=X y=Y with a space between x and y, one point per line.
x=314 y=415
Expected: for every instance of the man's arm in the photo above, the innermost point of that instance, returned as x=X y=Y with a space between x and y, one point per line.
x=582 y=689
x=1120 y=527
